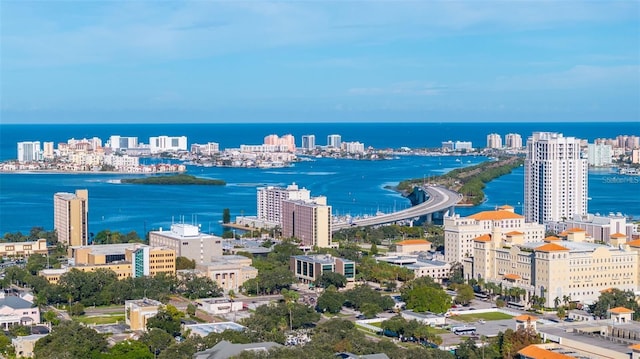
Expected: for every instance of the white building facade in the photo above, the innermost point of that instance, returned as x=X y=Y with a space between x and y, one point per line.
x=600 y=155
x=494 y=140
x=270 y=201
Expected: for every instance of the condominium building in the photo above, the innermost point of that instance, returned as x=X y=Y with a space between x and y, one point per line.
x=553 y=268
x=117 y=142
x=463 y=145
x=494 y=140
x=167 y=143
x=353 y=147
x=307 y=220
x=270 y=201
x=287 y=140
x=308 y=268
x=447 y=146
x=309 y=142
x=187 y=241
x=71 y=217
x=208 y=149
x=29 y=151
x=599 y=155
x=121 y=163
x=555 y=178
x=459 y=232
x=513 y=140
x=334 y=141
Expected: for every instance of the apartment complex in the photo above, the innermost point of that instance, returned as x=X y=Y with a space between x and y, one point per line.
x=353 y=147
x=599 y=155
x=513 y=140
x=24 y=249
x=288 y=141
x=269 y=201
x=494 y=140
x=555 y=178
x=167 y=143
x=29 y=151
x=309 y=142
x=334 y=141
x=118 y=143
x=70 y=217
x=552 y=267
x=460 y=232
x=308 y=220
x=187 y=241
x=308 y=268
x=600 y=228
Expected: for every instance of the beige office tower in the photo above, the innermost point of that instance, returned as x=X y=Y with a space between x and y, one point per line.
x=307 y=220
x=71 y=217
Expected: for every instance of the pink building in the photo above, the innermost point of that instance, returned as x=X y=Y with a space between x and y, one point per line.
x=16 y=310
x=287 y=140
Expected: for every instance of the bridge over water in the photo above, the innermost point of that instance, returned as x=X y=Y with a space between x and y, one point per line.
x=440 y=200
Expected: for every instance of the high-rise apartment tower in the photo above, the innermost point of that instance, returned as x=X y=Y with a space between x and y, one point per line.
x=71 y=217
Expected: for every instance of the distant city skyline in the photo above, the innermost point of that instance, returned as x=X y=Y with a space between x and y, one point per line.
x=352 y=61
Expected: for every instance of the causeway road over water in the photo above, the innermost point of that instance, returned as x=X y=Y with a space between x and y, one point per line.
x=440 y=199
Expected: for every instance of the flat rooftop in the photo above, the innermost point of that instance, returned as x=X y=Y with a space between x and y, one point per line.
x=119 y=248
x=321 y=258
x=205 y=329
x=613 y=343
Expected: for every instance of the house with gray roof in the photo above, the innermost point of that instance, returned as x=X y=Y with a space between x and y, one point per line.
x=225 y=349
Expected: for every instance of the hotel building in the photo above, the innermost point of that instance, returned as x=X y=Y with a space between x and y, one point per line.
x=459 y=232
x=309 y=142
x=270 y=201
x=187 y=241
x=552 y=267
x=70 y=217
x=117 y=143
x=555 y=178
x=287 y=140
x=334 y=141
x=307 y=220
x=167 y=143
x=494 y=140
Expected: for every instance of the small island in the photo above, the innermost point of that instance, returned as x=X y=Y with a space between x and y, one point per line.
x=175 y=180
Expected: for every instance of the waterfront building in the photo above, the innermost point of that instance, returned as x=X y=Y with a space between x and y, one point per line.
x=599 y=155
x=307 y=220
x=553 y=268
x=47 y=152
x=635 y=156
x=287 y=140
x=167 y=143
x=447 y=146
x=269 y=201
x=118 y=143
x=29 y=151
x=353 y=147
x=70 y=217
x=463 y=145
x=264 y=148
x=123 y=163
x=555 y=178
x=334 y=141
x=309 y=142
x=494 y=140
x=460 y=232
x=24 y=249
x=601 y=228
x=229 y=271
x=187 y=241
x=513 y=141
x=137 y=312
x=208 y=149
x=308 y=268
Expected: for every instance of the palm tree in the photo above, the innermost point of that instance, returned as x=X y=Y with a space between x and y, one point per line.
x=290 y=298
x=556 y=301
x=566 y=299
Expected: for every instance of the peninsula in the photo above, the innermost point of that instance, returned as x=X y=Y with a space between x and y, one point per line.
x=469 y=181
x=179 y=179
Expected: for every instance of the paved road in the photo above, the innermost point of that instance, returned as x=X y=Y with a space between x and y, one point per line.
x=440 y=199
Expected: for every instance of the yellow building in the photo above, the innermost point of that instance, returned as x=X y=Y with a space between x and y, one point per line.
x=70 y=217
x=138 y=312
x=126 y=260
x=24 y=249
x=459 y=232
x=229 y=272
x=553 y=268
x=413 y=245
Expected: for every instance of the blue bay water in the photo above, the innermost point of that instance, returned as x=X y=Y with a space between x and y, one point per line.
x=351 y=187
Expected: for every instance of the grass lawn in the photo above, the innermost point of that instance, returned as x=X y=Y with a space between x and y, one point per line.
x=478 y=316
x=105 y=319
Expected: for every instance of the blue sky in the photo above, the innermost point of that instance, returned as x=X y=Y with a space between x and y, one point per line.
x=319 y=61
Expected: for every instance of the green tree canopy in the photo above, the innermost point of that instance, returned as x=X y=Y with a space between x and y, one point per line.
x=70 y=340
x=185 y=263
x=615 y=298
x=330 y=301
x=331 y=278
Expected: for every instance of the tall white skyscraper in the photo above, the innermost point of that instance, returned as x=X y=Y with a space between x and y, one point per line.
x=494 y=140
x=29 y=151
x=599 y=154
x=334 y=141
x=555 y=178
x=270 y=200
x=308 y=142
x=513 y=140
